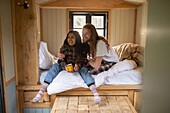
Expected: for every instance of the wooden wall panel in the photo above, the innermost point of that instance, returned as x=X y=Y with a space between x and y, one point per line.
x=7 y=42
x=25 y=46
x=141 y=30
x=54 y=28
x=122 y=26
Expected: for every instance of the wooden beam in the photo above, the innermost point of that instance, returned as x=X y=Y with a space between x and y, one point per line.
x=25 y=46
x=94 y=4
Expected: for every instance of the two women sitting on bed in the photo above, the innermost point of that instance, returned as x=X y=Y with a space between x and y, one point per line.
x=75 y=53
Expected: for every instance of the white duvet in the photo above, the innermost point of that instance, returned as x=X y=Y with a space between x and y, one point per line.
x=123 y=72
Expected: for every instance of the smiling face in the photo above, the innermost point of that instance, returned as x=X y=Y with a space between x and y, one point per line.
x=86 y=35
x=71 y=39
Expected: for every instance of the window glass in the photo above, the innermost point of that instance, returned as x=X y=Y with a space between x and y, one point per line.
x=98 y=21
x=100 y=32
x=79 y=21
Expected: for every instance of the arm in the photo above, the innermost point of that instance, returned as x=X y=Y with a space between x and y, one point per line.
x=62 y=60
x=97 y=62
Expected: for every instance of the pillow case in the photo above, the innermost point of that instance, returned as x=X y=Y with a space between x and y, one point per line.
x=130 y=51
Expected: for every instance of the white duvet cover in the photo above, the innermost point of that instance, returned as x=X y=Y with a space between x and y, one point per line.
x=119 y=74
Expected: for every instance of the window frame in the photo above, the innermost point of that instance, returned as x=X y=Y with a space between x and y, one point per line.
x=88 y=18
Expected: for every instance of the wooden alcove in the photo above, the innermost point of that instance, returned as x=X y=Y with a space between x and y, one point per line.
x=26 y=51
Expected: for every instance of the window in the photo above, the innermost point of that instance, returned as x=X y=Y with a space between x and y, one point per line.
x=77 y=19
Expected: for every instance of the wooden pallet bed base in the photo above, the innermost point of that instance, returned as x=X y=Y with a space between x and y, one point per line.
x=26 y=93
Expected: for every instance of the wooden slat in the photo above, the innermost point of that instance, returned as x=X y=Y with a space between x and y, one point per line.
x=104 y=87
x=95 y=4
x=28 y=96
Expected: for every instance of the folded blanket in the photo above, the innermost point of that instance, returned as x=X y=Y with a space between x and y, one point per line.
x=130 y=51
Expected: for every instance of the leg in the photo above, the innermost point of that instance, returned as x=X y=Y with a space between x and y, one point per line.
x=90 y=83
x=52 y=73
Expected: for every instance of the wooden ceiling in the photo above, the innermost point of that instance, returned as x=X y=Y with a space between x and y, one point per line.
x=90 y=4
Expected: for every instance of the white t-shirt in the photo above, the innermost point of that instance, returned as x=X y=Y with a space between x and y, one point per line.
x=101 y=50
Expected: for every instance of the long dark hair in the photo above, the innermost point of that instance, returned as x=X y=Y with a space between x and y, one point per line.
x=78 y=45
x=94 y=38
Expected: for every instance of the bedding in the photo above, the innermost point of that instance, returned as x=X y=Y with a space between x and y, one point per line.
x=116 y=75
x=124 y=72
x=130 y=51
x=46 y=59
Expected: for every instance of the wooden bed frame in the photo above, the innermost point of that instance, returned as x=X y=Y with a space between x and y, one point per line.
x=27 y=92
x=26 y=53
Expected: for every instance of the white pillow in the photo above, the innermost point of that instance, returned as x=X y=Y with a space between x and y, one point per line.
x=45 y=58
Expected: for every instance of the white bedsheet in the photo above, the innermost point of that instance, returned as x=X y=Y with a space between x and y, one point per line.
x=116 y=76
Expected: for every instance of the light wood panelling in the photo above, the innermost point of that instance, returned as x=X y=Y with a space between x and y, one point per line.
x=122 y=26
x=54 y=28
x=26 y=51
x=141 y=31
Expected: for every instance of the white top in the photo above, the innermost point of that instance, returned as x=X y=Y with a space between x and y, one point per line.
x=101 y=50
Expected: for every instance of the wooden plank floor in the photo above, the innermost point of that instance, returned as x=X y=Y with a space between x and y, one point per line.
x=85 y=104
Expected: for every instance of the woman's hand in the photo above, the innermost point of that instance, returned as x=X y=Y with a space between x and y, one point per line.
x=76 y=67
x=96 y=63
x=61 y=56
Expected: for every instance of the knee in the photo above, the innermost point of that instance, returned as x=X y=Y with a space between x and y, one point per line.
x=83 y=69
x=55 y=65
